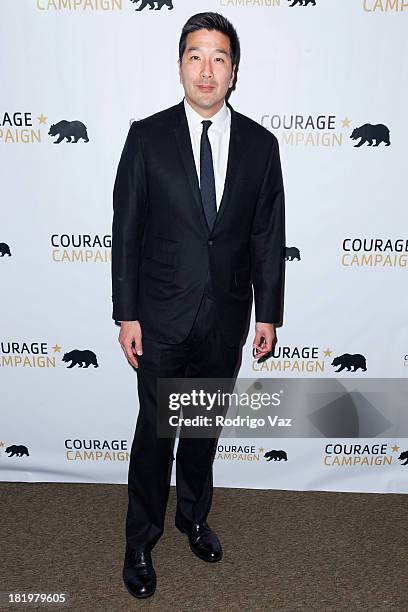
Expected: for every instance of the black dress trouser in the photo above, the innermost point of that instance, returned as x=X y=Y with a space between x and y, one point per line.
x=202 y=354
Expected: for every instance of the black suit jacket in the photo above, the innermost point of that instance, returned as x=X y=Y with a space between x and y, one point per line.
x=162 y=248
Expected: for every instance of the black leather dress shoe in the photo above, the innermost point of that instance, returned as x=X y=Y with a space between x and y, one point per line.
x=138 y=573
x=203 y=541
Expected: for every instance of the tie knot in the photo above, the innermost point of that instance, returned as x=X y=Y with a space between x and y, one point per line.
x=206 y=124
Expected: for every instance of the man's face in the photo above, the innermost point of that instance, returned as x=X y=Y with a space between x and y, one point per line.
x=206 y=70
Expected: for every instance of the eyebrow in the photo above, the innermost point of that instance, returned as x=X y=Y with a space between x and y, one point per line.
x=199 y=49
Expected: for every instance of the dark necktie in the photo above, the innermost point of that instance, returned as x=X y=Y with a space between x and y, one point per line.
x=207 y=180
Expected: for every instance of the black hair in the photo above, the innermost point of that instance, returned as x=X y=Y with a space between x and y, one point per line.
x=211 y=21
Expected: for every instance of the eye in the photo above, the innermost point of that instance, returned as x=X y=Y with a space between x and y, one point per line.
x=194 y=57
x=219 y=58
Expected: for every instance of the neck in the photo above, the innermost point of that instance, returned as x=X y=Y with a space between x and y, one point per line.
x=206 y=113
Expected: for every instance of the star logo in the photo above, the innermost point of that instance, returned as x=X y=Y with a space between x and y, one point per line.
x=56 y=348
x=345 y=122
x=327 y=352
x=395 y=448
x=261 y=450
x=42 y=119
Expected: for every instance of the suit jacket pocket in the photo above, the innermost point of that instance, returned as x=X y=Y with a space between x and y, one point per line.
x=158 y=271
x=241 y=280
x=162 y=250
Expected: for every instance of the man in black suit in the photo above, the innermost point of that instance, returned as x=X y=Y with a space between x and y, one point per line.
x=198 y=220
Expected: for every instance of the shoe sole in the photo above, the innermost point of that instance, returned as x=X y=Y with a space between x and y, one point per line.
x=195 y=552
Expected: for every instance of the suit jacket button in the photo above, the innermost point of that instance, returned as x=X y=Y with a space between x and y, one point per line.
x=210 y=242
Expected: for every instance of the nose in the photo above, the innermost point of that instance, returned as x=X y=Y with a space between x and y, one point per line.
x=206 y=70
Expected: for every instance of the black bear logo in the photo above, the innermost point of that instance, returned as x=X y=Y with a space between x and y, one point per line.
x=4 y=249
x=68 y=130
x=292 y=253
x=367 y=132
x=350 y=362
x=276 y=455
x=17 y=449
x=302 y=2
x=80 y=358
x=160 y=4
x=404 y=457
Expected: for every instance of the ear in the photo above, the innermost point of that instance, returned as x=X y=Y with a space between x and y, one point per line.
x=179 y=69
x=232 y=76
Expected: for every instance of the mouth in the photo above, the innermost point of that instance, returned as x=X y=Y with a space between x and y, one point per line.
x=206 y=88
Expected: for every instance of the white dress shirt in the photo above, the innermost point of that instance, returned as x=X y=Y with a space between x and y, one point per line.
x=219 y=136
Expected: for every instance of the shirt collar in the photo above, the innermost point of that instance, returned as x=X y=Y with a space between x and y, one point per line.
x=219 y=120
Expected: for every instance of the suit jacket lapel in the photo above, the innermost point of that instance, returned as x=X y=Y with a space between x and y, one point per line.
x=182 y=134
x=233 y=165
x=183 y=139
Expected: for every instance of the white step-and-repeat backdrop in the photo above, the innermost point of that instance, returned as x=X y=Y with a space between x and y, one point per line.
x=329 y=78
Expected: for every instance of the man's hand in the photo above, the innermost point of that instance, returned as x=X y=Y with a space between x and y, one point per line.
x=264 y=336
x=130 y=332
